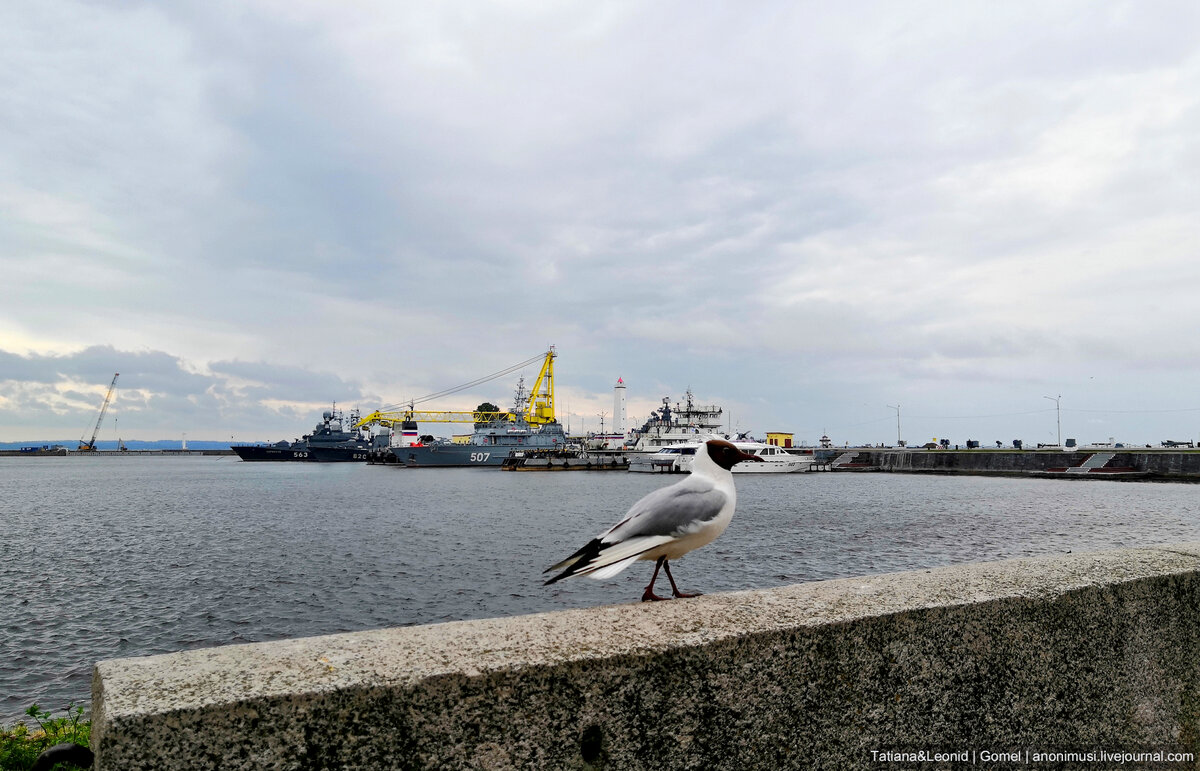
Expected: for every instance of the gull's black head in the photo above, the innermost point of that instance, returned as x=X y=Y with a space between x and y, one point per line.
x=725 y=455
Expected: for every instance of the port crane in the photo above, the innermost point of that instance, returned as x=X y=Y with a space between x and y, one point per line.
x=90 y=446
x=537 y=409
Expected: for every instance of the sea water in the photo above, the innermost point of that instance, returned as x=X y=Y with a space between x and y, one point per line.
x=105 y=557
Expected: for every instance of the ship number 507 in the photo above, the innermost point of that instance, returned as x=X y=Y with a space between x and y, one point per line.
x=480 y=457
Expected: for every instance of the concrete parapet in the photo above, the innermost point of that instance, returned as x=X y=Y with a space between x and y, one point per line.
x=1078 y=652
x=1127 y=464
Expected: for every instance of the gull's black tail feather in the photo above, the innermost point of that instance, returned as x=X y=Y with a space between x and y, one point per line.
x=576 y=561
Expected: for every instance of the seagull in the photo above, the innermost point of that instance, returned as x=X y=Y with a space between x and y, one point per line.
x=666 y=524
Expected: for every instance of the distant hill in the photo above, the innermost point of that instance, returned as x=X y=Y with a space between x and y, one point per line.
x=161 y=444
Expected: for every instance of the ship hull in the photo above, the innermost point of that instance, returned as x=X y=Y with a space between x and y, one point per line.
x=492 y=443
x=309 y=454
x=329 y=442
x=356 y=454
x=449 y=455
x=260 y=453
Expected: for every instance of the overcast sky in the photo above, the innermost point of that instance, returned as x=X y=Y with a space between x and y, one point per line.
x=804 y=212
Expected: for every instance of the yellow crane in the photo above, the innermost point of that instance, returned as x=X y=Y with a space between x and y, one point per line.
x=91 y=445
x=537 y=410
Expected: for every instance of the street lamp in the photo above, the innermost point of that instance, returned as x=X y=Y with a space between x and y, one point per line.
x=1057 y=415
x=896 y=407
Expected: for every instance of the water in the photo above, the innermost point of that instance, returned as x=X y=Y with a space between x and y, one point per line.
x=116 y=557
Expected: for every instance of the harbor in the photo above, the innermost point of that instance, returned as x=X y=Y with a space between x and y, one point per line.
x=1137 y=464
x=528 y=436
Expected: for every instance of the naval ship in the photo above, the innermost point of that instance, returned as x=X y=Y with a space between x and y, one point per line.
x=667 y=426
x=490 y=445
x=329 y=442
x=530 y=425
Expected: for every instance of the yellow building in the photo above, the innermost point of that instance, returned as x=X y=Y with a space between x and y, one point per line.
x=779 y=438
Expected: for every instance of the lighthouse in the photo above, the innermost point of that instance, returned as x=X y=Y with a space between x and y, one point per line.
x=618 y=422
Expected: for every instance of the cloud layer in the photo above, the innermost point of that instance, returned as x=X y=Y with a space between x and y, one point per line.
x=803 y=213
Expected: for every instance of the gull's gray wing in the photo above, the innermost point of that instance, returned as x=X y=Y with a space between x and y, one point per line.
x=672 y=510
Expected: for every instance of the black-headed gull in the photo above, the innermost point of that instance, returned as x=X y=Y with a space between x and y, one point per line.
x=667 y=523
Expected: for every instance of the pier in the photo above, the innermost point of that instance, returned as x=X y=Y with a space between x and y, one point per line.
x=1123 y=463
x=1072 y=652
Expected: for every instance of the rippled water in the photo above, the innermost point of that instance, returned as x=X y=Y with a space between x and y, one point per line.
x=114 y=557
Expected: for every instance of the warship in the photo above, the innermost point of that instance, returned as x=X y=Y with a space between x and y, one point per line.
x=530 y=425
x=667 y=426
x=329 y=442
x=489 y=445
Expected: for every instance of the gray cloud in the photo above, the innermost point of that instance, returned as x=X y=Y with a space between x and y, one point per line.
x=157 y=394
x=807 y=213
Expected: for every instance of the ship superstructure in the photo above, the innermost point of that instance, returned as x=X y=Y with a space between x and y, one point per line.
x=683 y=422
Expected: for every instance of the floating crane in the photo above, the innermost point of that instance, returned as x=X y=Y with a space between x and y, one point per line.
x=537 y=409
x=91 y=445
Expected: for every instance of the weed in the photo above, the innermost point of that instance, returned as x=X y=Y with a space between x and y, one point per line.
x=21 y=744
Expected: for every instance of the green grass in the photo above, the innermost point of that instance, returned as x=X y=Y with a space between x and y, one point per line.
x=22 y=743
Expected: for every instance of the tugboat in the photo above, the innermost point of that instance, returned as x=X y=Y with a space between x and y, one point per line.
x=329 y=442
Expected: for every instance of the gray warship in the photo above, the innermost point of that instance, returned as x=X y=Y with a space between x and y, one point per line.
x=530 y=425
x=490 y=445
x=329 y=442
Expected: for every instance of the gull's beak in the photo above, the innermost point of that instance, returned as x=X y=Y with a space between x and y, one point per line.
x=748 y=456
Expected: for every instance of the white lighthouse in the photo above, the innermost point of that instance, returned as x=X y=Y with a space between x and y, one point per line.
x=618 y=423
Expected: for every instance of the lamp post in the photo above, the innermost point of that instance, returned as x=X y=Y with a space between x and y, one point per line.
x=1057 y=415
x=896 y=407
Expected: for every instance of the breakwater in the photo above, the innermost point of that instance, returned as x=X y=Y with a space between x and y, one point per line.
x=1145 y=464
x=1068 y=653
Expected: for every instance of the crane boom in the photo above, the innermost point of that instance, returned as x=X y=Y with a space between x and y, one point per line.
x=537 y=409
x=432 y=416
x=540 y=409
x=91 y=446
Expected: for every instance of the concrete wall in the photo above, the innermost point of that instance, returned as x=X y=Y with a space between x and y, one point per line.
x=1149 y=464
x=1085 y=651
x=974 y=461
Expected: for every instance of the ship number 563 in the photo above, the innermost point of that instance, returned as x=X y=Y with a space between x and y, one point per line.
x=480 y=457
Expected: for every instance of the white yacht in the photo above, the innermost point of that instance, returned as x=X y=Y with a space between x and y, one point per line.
x=677 y=459
x=673 y=459
x=776 y=460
